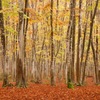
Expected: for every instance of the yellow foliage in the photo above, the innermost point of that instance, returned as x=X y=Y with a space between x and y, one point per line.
x=47 y=6
x=57 y=37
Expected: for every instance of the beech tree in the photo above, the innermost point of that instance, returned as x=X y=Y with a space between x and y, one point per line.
x=2 y=32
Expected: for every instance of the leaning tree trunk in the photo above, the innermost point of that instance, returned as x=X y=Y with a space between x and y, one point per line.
x=83 y=43
x=90 y=38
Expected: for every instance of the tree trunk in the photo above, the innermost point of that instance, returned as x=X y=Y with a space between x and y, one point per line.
x=20 y=78
x=73 y=3
x=20 y=75
x=5 y=76
x=90 y=37
x=52 y=47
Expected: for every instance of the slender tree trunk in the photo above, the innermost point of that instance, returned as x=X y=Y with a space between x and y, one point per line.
x=73 y=3
x=52 y=47
x=95 y=57
x=78 y=45
x=90 y=37
x=68 y=47
x=96 y=73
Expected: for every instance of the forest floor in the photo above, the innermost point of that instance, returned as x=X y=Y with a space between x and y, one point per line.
x=47 y=92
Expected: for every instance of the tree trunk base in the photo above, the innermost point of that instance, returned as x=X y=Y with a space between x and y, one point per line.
x=5 y=81
x=21 y=84
x=20 y=76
